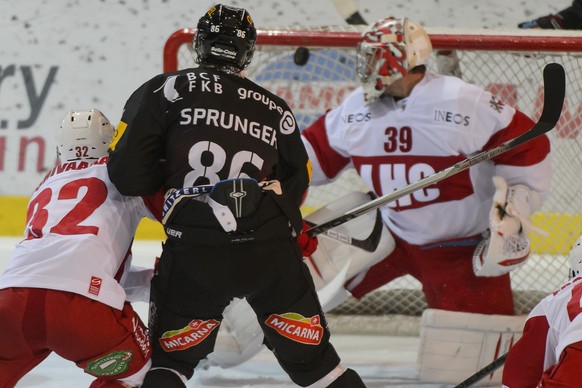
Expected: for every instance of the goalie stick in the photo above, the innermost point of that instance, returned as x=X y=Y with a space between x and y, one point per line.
x=479 y=375
x=554 y=92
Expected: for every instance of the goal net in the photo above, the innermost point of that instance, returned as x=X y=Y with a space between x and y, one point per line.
x=508 y=63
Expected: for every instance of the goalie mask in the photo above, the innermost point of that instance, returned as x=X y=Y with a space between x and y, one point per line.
x=83 y=135
x=387 y=51
x=225 y=36
x=575 y=259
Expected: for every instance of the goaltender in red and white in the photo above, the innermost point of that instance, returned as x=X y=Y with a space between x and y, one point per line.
x=460 y=237
x=68 y=284
x=550 y=351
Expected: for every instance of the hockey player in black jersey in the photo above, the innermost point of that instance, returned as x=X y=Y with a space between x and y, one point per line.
x=229 y=155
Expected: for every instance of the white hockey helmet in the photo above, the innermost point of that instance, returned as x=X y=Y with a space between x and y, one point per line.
x=387 y=51
x=83 y=135
x=575 y=258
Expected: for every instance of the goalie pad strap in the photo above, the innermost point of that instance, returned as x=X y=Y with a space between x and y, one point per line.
x=455 y=345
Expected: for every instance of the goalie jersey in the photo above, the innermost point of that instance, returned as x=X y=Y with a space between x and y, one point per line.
x=396 y=142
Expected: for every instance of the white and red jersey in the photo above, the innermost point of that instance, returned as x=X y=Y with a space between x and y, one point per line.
x=78 y=233
x=393 y=143
x=553 y=324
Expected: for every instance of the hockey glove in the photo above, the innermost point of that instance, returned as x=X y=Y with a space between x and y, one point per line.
x=506 y=246
x=549 y=22
x=566 y=19
x=307 y=244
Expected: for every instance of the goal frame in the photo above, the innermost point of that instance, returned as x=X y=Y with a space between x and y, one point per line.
x=441 y=39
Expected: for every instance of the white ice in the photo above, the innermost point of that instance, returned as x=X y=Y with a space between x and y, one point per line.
x=382 y=361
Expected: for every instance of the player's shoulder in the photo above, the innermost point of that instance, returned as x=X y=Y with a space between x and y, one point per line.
x=256 y=90
x=74 y=170
x=448 y=83
x=172 y=76
x=448 y=92
x=353 y=101
x=568 y=286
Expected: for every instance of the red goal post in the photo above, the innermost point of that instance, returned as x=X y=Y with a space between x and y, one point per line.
x=507 y=62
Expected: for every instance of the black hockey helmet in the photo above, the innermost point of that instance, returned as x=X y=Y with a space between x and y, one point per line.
x=225 y=36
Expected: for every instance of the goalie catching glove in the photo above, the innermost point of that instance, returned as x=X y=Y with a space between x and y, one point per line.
x=506 y=247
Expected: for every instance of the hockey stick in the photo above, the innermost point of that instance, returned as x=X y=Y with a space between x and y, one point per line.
x=554 y=91
x=483 y=372
x=349 y=11
x=369 y=244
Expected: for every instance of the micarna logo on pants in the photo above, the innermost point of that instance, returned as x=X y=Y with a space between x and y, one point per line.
x=297 y=328
x=191 y=335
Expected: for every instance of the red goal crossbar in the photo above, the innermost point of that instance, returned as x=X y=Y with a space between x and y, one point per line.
x=518 y=40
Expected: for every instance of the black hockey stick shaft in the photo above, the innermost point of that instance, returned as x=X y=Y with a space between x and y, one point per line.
x=554 y=92
x=478 y=376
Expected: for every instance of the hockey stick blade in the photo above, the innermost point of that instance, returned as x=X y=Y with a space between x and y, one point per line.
x=554 y=93
x=498 y=363
x=369 y=244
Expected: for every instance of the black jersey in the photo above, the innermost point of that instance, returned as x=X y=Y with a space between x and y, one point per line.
x=200 y=126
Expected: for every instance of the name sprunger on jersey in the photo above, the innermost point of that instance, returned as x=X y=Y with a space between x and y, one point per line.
x=219 y=119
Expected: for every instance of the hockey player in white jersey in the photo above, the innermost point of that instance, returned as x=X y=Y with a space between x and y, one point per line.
x=62 y=290
x=460 y=237
x=550 y=351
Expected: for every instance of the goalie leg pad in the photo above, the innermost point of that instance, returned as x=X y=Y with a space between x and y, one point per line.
x=332 y=255
x=240 y=337
x=455 y=345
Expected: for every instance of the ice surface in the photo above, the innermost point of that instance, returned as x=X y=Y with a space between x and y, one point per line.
x=381 y=360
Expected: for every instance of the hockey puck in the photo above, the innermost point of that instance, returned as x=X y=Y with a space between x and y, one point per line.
x=301 y=56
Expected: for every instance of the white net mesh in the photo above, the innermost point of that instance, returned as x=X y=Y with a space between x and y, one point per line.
x=511 y=68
